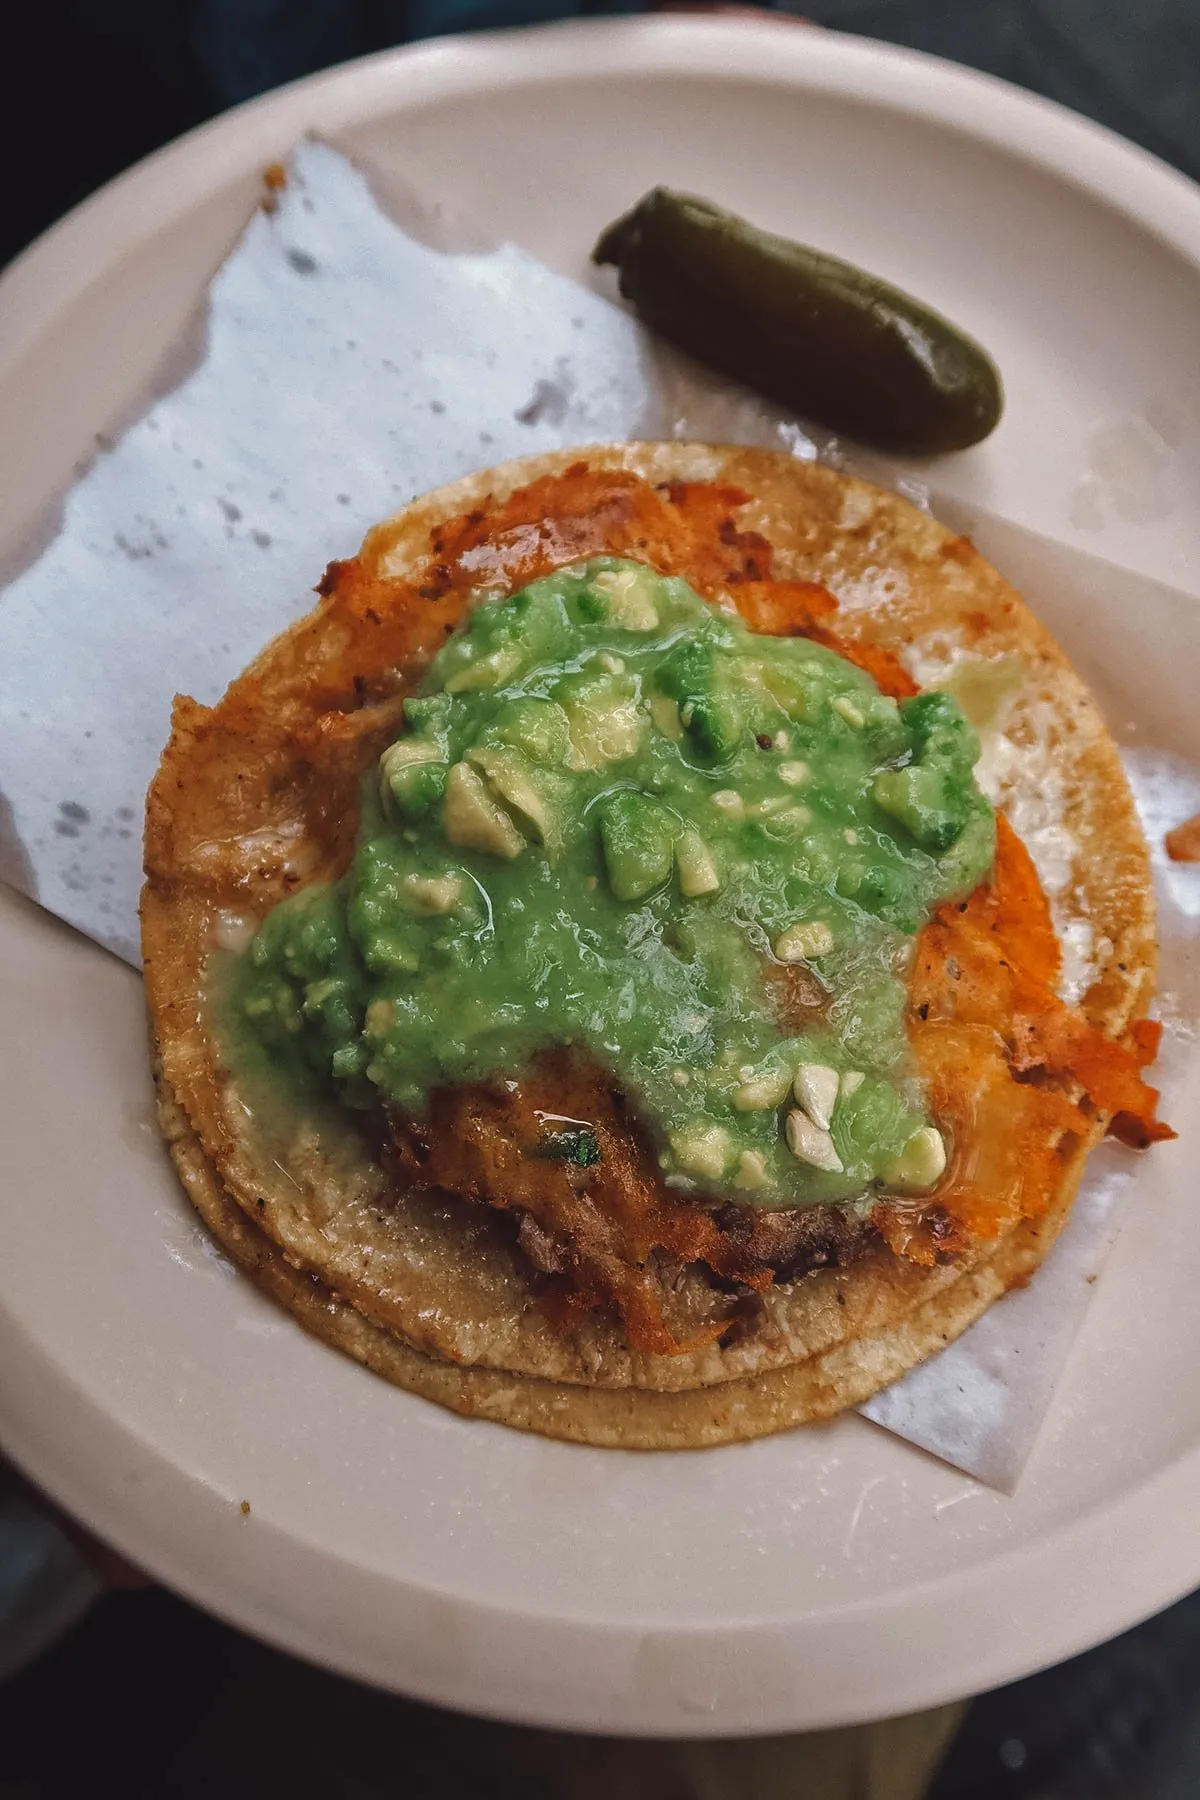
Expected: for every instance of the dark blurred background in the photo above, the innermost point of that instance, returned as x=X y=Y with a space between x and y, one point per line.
x=107 y=81
x=147 y=1697
x=150 y=1700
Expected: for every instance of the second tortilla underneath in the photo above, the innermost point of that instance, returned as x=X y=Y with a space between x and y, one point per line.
x=628 y=1418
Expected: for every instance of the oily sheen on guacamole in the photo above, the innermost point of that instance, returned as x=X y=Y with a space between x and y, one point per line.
x=613 y=814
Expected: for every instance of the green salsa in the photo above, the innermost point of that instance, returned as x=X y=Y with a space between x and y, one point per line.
x=611 y=810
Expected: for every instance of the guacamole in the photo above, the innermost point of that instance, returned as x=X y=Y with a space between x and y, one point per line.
x=614 y=818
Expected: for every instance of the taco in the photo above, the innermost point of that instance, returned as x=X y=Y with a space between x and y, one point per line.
x=587 y=980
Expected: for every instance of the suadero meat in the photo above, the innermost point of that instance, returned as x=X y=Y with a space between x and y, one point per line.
x=609 y=1235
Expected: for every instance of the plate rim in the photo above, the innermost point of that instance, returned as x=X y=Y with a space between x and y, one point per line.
x=1030 y=127
x=41 y=1411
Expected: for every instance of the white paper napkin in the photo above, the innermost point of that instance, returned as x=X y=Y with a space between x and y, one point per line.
x=347 y=368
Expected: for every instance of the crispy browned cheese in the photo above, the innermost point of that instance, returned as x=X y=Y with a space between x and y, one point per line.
x=455 y=1242
x=1183 y=843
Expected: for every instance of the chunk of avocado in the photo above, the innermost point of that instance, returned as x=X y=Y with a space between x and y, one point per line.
x=417 y=789
x=703 y=1149
x=871 y=1122
x=630 y=595
x=939 y=725
x=708 y=710
x=698 y=872
x=926 y=801
x=932 y=796
x=537 y=727
x=412 y=776
x=878 y=889
x=525 y=791
x=605 y=720
x=473 y=818
x=492 y=670
x=429 y=716
x=882 y=724
x=505 y=637
x=431 y=894
x=638 y=837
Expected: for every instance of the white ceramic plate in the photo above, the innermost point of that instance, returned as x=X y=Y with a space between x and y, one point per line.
x=818 y=1578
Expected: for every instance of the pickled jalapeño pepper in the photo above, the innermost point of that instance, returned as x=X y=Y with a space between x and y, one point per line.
x=839 y=345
